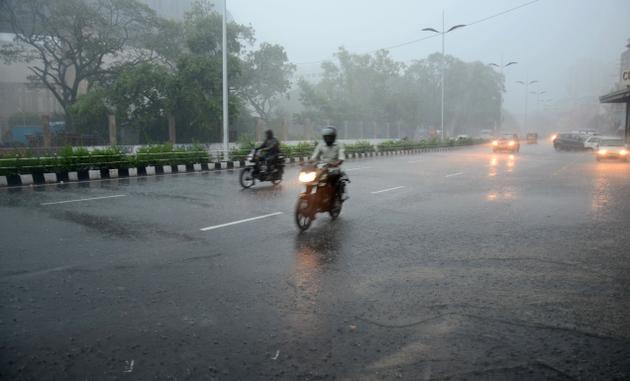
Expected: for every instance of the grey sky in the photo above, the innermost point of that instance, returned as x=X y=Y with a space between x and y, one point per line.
x=553 y=40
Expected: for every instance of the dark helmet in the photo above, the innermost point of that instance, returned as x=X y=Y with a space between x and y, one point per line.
x=330 y=135
x=269 y=134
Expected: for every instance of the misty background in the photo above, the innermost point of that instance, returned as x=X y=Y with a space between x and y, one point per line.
x=365 y=66
x=571 y=47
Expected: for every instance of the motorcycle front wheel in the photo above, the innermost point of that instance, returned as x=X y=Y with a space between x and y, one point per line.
x=302 y=217
x=246 y=178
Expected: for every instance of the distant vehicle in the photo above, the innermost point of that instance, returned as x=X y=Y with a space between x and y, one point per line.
x=612 y=149
x=571 y=141
x=463 y=137
x=532 y=138
x=486 y=134
x=506 y=143
x=592 y=142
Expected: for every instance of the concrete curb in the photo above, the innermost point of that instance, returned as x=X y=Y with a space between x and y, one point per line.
x=105 y=174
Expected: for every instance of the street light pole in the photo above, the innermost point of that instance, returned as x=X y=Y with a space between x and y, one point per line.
x=526 y=83
x=501 y=67
x=442 y=80
x=443 y=63
x=225 y=85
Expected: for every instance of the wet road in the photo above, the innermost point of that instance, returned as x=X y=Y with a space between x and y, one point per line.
x=461 y=265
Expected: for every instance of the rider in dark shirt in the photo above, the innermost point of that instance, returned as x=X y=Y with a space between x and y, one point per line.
x=269 y=149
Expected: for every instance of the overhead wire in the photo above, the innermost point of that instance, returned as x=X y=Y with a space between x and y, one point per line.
x=415 y=41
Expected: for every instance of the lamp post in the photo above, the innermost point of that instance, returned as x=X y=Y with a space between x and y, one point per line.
x=443 y=33
x=501 y=67
x=526 y=83
x=538 y=94
x=225 y=85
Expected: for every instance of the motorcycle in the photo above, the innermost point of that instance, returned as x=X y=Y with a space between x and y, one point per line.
x=257 y=169
x=320 y=195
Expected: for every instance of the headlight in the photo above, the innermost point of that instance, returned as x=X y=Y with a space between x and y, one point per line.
x=307 y=177
x=553 y=137
x=495 y=142
x=623 y=152
x=602 y=152
x=511 y=142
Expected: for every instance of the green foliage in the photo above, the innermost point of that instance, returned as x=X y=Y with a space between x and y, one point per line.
x=265 y=76
x=374 y=88
x=303 y=149
x=359 y=147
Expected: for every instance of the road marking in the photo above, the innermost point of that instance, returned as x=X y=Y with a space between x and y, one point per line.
x=387 y=190
x=240 y=221
x=82 y=199
x=356 y=169
x=455 y=174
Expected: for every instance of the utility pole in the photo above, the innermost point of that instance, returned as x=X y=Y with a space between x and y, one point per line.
x=526 y=83
x=443 y=33
x=225 y=86
x=501 y=67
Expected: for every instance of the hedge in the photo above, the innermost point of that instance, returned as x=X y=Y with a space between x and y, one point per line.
x=80 y=159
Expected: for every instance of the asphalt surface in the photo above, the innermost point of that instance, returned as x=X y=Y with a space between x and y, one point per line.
x=455 y=265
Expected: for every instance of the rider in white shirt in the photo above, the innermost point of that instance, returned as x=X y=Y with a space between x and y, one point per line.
x=331 y=153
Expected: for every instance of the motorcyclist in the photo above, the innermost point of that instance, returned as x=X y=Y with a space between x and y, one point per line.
x=269 y=150
x=332 y=154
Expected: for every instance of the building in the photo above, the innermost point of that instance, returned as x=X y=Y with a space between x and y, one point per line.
x=18 y=96
x=622 y=93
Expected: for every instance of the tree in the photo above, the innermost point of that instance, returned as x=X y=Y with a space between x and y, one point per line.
x=265 y=76
x=377 y=90
x=69 y=44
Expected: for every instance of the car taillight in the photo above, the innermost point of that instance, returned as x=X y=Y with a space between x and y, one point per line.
x=511 y=142
x=602 y=152
x=495 y=142
x=623 y=152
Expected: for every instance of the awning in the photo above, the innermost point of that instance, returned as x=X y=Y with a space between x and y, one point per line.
x=619 y=96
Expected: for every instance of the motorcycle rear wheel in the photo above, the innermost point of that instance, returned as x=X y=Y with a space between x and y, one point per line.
x=302 y=218
x=335 y=211
x=246 y=177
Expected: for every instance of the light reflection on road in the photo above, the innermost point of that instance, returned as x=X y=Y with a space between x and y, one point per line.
x=506 y=164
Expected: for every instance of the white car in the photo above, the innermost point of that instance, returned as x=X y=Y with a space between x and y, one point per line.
x=592 y=142
x=612 y=148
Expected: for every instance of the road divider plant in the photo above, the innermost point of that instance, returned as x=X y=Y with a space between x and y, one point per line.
x=70 y=162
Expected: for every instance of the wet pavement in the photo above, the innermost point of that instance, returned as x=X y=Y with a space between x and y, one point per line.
x=455 y=265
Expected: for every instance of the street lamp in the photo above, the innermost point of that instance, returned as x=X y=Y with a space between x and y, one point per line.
x=225 y=84
x=443 y=33
x=538 y=94
x=526 y=83
x=501 y=67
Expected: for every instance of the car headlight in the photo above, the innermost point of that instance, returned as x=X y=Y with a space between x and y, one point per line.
x=623 y=152
x=602 y=152
x=553 y=137
x=511 y=142
x=307 y=177
x=495 y=142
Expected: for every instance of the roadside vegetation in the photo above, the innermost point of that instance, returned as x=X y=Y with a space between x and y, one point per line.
x=81 y=159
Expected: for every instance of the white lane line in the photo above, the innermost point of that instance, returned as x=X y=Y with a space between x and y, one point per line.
x=356 y=168
x=387 y=190
x=240 y=221
x=82 y=199
x=455 y=174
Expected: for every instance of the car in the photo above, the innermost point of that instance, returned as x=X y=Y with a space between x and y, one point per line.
x=569 y=141
x=612 y=148
x=532 y=138
x=506 y=143
x=592 y=142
